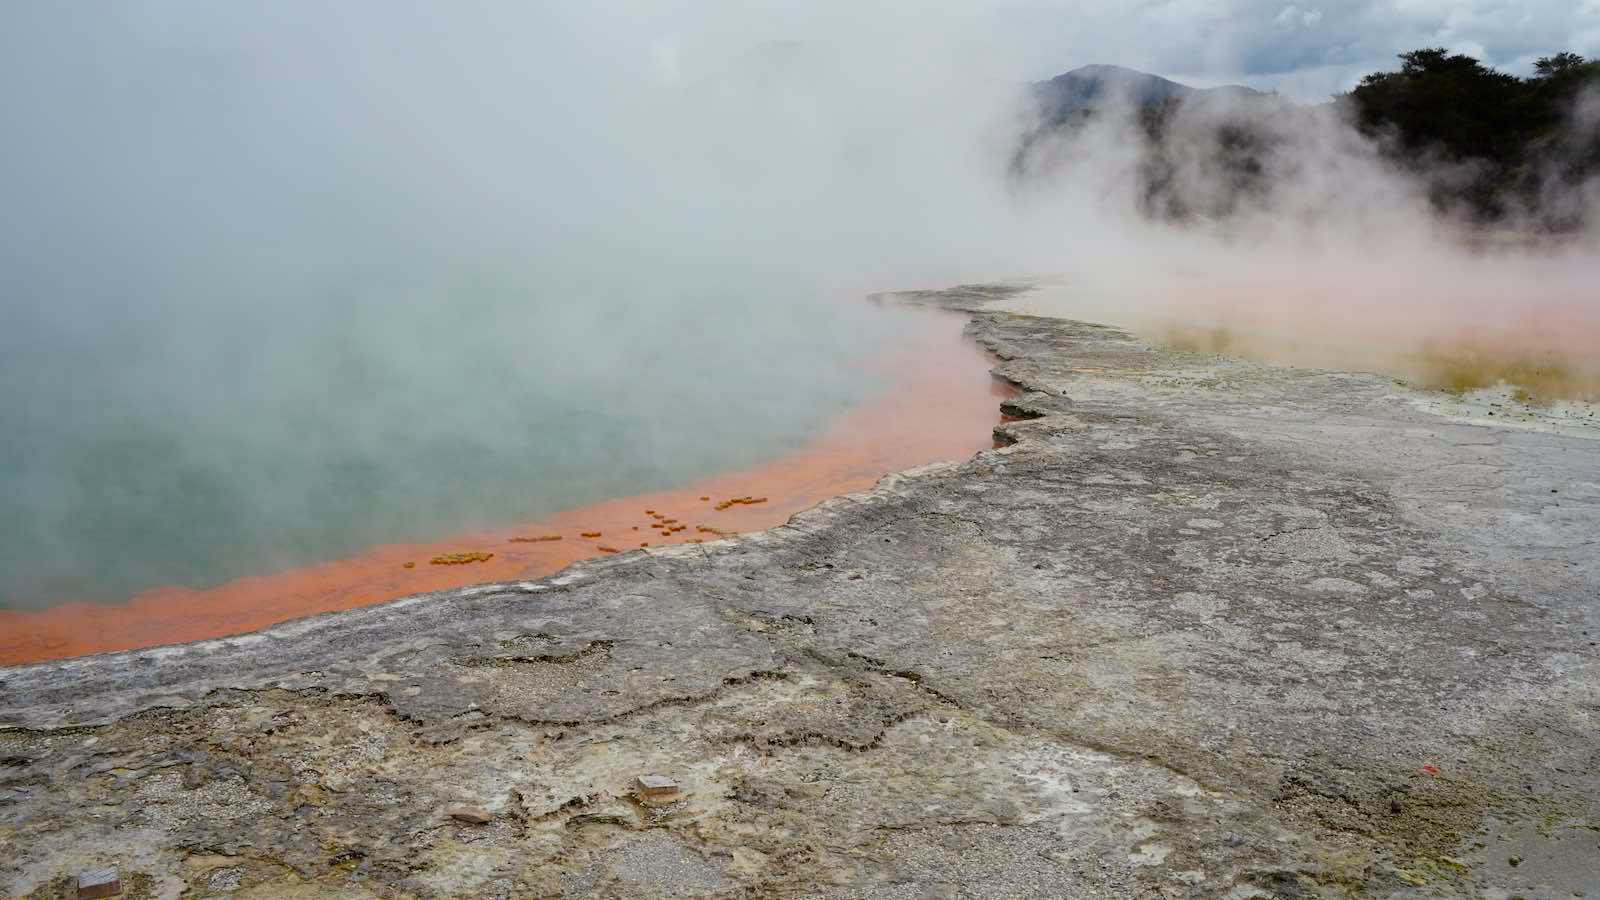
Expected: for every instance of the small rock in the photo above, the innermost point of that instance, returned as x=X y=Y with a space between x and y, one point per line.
x=99 y=883
x=583 y=819
x=226 y=879
x=472 y=815
x=1004 y=811
x=806 y=790
x=655 y=786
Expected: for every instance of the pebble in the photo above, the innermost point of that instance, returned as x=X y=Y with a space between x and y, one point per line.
x=472 y=815
x=656 y=785
x=99 y=883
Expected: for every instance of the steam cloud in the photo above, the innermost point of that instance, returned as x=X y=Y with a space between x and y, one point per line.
x=269 y=271
x=1320 y=249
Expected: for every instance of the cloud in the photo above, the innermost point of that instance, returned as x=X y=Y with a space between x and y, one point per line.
x=1295 y=17
x=1305 y=50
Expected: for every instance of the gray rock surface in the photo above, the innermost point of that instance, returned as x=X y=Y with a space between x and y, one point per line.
x=1206 y=628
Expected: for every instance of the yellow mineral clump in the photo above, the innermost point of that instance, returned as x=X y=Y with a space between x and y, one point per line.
x=735 y=501
x=604 y=549
x=536 y=539
x=409 y=565
x=461 y=559
x=590 y=534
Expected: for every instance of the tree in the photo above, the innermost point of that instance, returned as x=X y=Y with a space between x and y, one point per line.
x=1561 y=64
x=1498 y=135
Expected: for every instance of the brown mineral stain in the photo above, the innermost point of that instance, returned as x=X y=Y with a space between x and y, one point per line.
x=940 y=404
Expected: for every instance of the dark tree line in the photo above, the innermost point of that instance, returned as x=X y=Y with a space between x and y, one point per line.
x=1493 y=144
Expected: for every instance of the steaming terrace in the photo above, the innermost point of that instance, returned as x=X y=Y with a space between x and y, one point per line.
x=1205 y=628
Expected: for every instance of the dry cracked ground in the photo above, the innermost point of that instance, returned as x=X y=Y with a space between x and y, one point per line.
x=1206 y=628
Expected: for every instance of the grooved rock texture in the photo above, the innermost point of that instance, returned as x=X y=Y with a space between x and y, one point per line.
x=1206 y=628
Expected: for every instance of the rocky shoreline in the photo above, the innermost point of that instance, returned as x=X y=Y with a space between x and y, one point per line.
x=1206 y=628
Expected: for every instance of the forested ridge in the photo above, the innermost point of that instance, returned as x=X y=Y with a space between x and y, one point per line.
x=1487 y=147
x=1506 y=144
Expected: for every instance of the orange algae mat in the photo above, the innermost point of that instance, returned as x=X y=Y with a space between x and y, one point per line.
x=941 y=405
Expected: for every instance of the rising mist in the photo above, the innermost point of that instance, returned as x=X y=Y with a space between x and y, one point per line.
x=283 y=281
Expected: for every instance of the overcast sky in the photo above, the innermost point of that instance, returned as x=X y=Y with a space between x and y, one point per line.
x=1307 y=48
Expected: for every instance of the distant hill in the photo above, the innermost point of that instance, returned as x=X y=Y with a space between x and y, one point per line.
x=1069 y=102
x=1065 y=96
